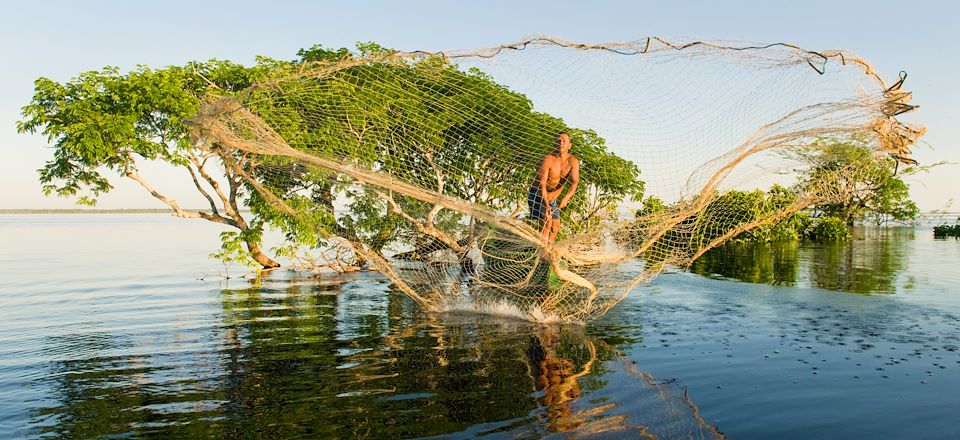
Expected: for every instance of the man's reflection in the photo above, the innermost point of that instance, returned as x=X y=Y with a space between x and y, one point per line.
x=556 y=377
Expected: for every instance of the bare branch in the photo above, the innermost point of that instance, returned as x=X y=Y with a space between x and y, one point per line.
x=387 y=270
x=359 y=135
x=231 y=209
x=132 y=173
x=433 y=214
x=440 y=183
x=436 y=170
x=209 y=83
x=234 y=181
x=196 y=182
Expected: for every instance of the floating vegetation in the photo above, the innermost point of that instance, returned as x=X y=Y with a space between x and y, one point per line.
x=944 y=231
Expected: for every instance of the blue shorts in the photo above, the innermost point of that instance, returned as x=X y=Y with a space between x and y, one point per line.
x=538 y=208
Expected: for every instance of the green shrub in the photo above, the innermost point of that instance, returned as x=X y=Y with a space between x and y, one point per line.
x=651 y=206
x=827 y=229
x=944 y=231
x=791 y=229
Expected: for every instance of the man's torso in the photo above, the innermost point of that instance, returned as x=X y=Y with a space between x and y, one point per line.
x=557 y=172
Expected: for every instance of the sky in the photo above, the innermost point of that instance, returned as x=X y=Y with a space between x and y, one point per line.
x=60 y=39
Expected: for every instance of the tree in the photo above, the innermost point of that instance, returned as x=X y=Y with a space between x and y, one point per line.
x=892 y=203
x=652 y=205
x=426 y=123
x=859 y=182
x=105 y=121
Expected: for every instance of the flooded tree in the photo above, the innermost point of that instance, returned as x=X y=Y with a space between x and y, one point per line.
x=873 y=192
x=105 y=123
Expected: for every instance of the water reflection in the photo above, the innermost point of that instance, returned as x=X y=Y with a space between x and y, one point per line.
x=100 y=392
x=135 y=348
x=557 y=377
x=353 y=359
x=871 y=263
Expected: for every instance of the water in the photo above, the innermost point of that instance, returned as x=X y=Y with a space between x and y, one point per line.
x=118 y=325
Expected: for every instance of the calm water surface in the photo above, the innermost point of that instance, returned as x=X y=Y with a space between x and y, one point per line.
x=118 y=326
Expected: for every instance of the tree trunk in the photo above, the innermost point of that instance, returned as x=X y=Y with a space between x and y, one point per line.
x=846 y=214
x=260 y=257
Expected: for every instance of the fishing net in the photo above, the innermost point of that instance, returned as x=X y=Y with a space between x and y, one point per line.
x=423 y=165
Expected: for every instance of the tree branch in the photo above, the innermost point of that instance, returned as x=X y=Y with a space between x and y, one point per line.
x=196 y=182
x=130 y=170
x=231 y=210
x=436 y=171
x=234 y=181
x=440 y=182
x=426 y=229
x=266 y=193
x=359 y=135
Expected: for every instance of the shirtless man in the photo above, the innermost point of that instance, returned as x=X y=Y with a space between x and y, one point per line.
x=555 y=169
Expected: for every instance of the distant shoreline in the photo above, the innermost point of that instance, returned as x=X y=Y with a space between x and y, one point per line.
x=93 y=211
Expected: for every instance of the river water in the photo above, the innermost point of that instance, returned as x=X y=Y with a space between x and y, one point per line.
x=119 y=325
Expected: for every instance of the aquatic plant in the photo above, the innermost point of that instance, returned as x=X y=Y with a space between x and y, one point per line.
x=944 y=231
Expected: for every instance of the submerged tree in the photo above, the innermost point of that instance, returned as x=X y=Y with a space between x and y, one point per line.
x=403 y=119
x=863 y=184
x=425 y=123
x=105 y=122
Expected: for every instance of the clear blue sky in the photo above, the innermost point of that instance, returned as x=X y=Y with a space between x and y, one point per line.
x=59 y=39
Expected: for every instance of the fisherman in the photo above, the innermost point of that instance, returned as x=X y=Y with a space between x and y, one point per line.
x=556 y=169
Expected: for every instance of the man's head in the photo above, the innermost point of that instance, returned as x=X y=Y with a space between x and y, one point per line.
x=562 y=144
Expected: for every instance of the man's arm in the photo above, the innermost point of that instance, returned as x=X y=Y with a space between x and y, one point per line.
x=543 y=173
x=574 y=181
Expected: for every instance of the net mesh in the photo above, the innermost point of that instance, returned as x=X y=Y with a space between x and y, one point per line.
x=424 y=164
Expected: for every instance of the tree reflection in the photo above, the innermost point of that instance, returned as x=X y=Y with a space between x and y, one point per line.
x=106 y=384
x=869 y=264
x=768 y=263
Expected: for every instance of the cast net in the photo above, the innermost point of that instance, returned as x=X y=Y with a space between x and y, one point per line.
x=423 y=165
